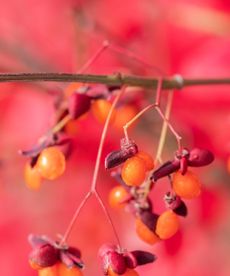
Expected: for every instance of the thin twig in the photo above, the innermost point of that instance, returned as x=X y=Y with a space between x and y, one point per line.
x=74 y=218
x=93 y=186
x=164 y=128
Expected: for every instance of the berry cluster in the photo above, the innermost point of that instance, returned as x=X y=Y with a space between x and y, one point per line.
x=47 y=158
x=51 y=258
x=137 y=177
x=133 y=169
x=116 y=261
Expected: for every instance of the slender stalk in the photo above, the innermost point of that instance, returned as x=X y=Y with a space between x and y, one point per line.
x=98 y=53
x=136 y=117
x=103 y=135
x=164 y=128
x=93 y=186
x=175 y=82
x=74 y=218
x=105 y=210
x=162 y=139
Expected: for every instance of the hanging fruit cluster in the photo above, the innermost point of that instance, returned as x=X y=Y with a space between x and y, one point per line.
x=137 y=177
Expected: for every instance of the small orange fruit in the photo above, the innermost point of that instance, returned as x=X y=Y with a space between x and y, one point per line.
x=133 y=171
x=48 y=271
x=116 y=196
x=35 y=266
x=124 y=115
x=51 y=163
x=71 y=88
x=187 y=186
x=32 y=177
x=149 y=162
x=145 y=234
x=63 y=270
x=167 y=225
x=100 y=109
x=128 y=272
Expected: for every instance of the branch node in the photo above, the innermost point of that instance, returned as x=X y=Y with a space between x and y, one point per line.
x=179 y=81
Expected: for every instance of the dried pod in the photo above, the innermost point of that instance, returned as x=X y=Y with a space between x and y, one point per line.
x=181 y=209
x=166 y=169
x=106 y=248
x=48 y=252
x=44 y=255
x=78 y=104
x=70 y=259
x=149 y=219
x=143 y=257
x=183 y=165
x=117 y=262
x=130 y=260
x=116 y=158
x=175 y=203
x=200 y=157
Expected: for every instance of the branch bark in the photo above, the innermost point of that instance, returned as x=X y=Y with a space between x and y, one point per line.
x=176 y=82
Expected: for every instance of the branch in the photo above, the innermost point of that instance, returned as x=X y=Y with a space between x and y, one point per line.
x=176 y=82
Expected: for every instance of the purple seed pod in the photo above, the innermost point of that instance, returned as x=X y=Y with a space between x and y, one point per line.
x=106 y=248
x=44 y=255
x=70 y=259
x=183 y=165
x=36 y=240
x=166 y=169
x=117 y=262
x=130 y=260
x=117 y=176
x=149 y=219
x=175 y=203
x=99 y=91
x=181 y=209
x=78 y=104
x=116 y=158
x=143 y=257
x=200 y=157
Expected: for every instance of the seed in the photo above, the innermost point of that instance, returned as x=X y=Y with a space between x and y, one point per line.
x=117 y=196
x=149 y=162
x=51 y=163
x=187 y=185
x=167 y=225
x=145 y=233
x=100 y=109
x=133 y=171
x=32 y=177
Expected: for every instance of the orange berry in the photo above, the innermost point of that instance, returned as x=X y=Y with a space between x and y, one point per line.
x=71 y=88
x=187 y=186
x=48 y=271
x=34 y=265
x=51 y=163
x=128 y=272
x=72 y=128
x=149 y=162
x=63 y=270
x=145 y=234
x=124 y=115
x=133 y=171
x=116 y=196
x=100 y=109
x=32 y=177
x=167 y=225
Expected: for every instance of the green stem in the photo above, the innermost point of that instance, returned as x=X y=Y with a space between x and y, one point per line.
x=176 y=82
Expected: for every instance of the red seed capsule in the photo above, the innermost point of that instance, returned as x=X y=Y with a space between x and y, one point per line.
x=78 y=104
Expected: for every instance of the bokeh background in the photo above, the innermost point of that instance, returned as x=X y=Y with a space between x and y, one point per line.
x=191 y=38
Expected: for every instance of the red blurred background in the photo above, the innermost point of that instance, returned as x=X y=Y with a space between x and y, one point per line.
x=192 y=39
